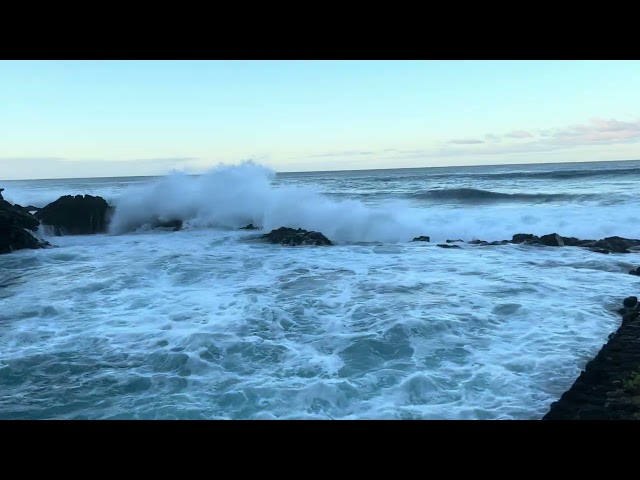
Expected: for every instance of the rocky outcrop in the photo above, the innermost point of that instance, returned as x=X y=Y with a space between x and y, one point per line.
x=16 y=226
x=293 y=237
x=173 y=225
x=609 y=386
x=250 y=227
x=422 y=238
x=635 y=271
x=79 y=215
x=447 y=245
x=455 y=241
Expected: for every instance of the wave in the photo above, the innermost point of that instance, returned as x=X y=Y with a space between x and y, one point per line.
x=474 y=196
x=231 y=197
x=234 y=196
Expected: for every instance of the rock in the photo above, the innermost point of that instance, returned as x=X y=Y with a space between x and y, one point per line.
x=617 y=244
x=455 y=241
x=600 y=250
x=630 y=302
x=76 y=215
x=500 y=242
x=478 y=242
x=174 y=225
x=523 y=237
x=576 y=242
x=635 y=271
x=447 y=245
x=16 y=226
x=293 y=237
x=250 y=227
x=552 y=240
x=421 y=238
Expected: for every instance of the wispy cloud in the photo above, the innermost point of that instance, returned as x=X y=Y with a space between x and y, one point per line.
x=465 y=141
x=519 y=134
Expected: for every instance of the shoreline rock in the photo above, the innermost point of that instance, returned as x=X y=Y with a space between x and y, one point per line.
x=16 y=227
x=609 y=386
x=76 y=215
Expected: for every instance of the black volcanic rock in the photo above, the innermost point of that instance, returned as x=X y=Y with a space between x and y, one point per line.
x=630 y=302
x=293 y=237
x=421 y=238
x=523 y=237
x=552 y=240
x=77 y=215
x=617 y=244
x=16 y=226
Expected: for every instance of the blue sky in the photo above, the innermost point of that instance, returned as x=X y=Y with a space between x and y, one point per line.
x=111 y=118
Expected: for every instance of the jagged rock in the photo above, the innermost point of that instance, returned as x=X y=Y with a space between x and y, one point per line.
x=293 y=237
x=16 y=226
x=617 y=244
x=77 y=215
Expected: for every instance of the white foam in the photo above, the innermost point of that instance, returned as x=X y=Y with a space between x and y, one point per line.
x=197 y=324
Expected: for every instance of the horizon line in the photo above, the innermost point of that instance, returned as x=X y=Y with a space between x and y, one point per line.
x=337 y=170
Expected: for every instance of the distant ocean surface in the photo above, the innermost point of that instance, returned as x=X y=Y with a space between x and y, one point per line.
x=210 y=323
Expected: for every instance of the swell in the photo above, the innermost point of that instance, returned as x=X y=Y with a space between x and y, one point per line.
x=474 y=196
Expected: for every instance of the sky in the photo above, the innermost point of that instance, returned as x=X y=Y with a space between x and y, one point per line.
x=62 y=119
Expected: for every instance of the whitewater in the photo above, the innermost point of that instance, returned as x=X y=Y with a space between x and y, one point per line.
x=211 y=323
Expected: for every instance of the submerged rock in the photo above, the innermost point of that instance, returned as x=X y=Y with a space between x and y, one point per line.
x=174 y=225
x=250 y=227
x=293 y=237
x=447 y=245
x=635 y=271
x=422 y=238
x=617 y=244
x=455 y=241
x=77 y=215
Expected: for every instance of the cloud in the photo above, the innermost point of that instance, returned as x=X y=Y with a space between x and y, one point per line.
x=597 y=131
x=519 y=134
x=465 y=141
x=490 y=137
x=343 y=154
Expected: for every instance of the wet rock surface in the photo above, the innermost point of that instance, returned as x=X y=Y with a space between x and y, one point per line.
x=293 y=237
x=79 y=215
x=16 y=227
x=609 y=386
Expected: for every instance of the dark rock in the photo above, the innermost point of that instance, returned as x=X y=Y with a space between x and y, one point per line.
x=421 y=238
x=523 y=237
x=635 y=271
x=447 y=245
x=600 y=250
x=455 y=241
x=1 y=190
x=293 y=237
x=250 y=227
x=576 y=242
x=552 y=240
x=617 y=244
x=16 y=226
x=76 y=215
x=478 y=242
x=630 y=302
x=174 y=225
x=500 y=242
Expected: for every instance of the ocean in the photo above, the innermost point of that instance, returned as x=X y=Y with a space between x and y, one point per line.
x=211 y=323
